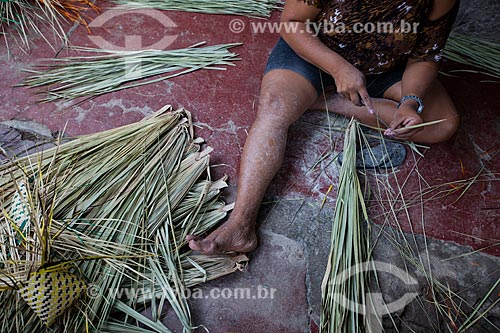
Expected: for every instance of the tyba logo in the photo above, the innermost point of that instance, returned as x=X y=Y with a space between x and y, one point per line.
x=375 y=307
x=132 y=42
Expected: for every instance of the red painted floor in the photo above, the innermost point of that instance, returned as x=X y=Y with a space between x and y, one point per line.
x=223 y=106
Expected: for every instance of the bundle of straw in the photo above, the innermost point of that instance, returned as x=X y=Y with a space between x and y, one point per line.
x=251 y=8
x=345 y=277
x=27 y=17
x=113 y=208
x=475 y=52
x=108 y=71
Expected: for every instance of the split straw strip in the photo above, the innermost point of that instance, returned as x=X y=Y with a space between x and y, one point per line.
x=398 y=130
x=407 y=127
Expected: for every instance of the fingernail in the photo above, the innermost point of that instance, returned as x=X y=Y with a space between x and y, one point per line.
x=371 y=111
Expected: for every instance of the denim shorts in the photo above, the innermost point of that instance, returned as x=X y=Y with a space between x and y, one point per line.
x=284 y=57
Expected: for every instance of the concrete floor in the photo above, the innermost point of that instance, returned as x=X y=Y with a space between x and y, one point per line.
x=293 y=244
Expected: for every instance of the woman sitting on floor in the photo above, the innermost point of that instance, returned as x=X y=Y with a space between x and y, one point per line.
x=382 y=78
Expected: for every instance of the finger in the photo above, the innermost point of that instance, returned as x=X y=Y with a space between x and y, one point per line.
x=355 y=99
x=402 y=134
x=343 y=93
x=396 y=135
x=367 y=101
x=410 y=122
x=393 y=126
x=192 y=238
x=396 y=123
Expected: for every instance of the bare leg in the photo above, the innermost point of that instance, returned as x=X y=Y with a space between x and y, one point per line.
x=285 y=95
x=438 y=105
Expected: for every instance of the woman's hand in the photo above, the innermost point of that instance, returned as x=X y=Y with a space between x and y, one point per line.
x=351 y=83
x=403 y=117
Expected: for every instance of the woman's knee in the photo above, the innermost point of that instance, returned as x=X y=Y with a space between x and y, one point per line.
x=272 y=108
x=284 y=97
x=446 y=129
x=272 y=99
x=441 y=106
x=277 y=107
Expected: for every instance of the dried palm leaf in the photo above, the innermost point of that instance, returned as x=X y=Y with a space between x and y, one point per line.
x=475 y=52
x=119 y=210
x=24 y=18
x=108 y=71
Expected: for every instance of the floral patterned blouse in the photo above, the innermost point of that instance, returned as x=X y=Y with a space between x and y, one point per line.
x=378 y=35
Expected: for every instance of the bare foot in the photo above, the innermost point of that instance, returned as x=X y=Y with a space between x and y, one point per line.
x=228 y=237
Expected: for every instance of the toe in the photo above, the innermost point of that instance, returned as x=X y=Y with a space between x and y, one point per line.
x=204 y=246
x=190 y=238
x=195 y=244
